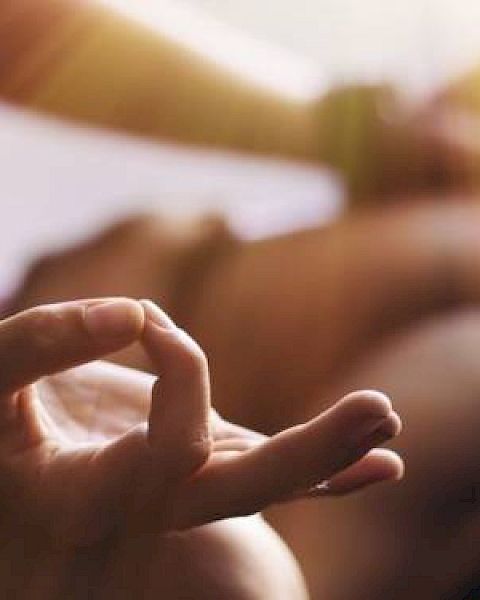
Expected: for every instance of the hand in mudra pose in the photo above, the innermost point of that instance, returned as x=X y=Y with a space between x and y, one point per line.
x=101 y=460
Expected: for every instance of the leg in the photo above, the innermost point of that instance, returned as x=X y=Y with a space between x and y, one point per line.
x=313 y=302
x=238 y=559
x=293 y=313
x=418 y=540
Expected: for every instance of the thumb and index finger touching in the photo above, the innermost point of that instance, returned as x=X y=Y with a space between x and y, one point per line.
x=47 y=339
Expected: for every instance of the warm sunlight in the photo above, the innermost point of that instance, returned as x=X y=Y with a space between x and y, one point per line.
x=259 y=62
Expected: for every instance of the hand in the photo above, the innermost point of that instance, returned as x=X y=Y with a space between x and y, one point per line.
x=77 y=465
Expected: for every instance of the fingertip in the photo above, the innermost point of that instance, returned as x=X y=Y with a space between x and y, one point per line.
x=378 y=466
x=114 y=319
x=370 y=403
x=156 y=315
x=397 y=466
x=177 y=350
x=395 y=424
x=386 y=464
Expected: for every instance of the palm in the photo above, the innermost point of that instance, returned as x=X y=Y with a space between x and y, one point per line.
x=96 y=403
x=87 y=408
x=101 y=401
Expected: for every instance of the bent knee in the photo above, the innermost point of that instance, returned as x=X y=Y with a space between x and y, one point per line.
x=238 y=559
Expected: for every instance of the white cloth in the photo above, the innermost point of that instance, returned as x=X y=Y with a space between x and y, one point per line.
x=60 y=182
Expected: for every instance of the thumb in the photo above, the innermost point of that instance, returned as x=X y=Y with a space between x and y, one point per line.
x=47 y=339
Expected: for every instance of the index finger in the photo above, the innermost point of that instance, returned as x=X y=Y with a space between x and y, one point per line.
x=178 y=429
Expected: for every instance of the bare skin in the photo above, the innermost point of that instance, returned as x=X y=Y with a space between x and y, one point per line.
x=53 y=62
x=421 y=542
x=333 y=296
x=329 y=293
x=103 y=470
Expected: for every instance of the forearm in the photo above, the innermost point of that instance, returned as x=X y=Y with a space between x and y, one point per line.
x=88 y=63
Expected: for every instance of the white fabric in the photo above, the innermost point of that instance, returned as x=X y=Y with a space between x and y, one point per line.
x=60 y=182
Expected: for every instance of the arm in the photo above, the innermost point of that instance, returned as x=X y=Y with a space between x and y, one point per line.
x=91 y=63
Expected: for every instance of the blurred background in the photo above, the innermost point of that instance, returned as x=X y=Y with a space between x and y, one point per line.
x=418 y=43
x=65 y=172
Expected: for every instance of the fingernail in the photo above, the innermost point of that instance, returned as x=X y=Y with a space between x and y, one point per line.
x=114 y=318
x=157 y=315
x=388 y=428
x=391 y=426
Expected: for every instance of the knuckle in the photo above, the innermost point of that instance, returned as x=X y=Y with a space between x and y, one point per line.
x=199 y=451
x=46 y=325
